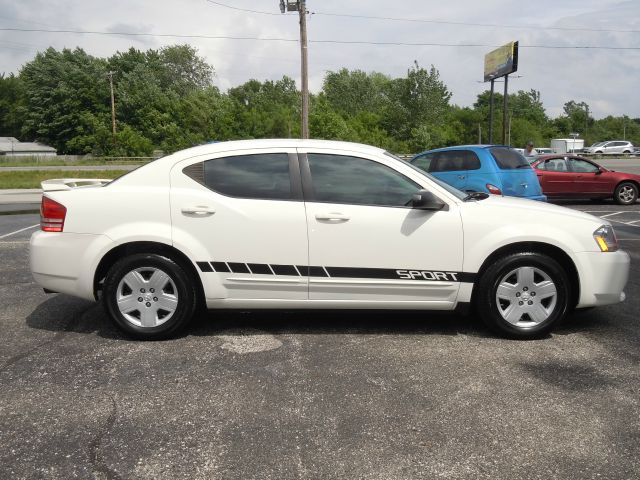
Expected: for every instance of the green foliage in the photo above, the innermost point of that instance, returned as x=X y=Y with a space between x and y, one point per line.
x=165 y=100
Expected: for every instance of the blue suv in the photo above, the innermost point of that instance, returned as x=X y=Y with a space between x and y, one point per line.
x=495 y=169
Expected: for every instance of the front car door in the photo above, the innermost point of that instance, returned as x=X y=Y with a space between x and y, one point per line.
x=241 y=217
x=367 y=243
x=589 y=180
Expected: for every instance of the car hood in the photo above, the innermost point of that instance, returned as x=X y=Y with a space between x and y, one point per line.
x=535 y=207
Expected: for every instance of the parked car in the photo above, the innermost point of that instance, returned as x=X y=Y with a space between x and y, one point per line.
x=315 y=224
x=494 y=169
x=563 y=176
x=613 y=146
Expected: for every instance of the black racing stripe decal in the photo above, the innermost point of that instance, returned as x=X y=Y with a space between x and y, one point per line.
x=204 y=266
x=259 y=268
x=238 y=267
x=285 y=270
x=220 y=267
x=340 y=272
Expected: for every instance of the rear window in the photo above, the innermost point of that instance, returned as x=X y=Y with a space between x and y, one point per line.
x=509 y=159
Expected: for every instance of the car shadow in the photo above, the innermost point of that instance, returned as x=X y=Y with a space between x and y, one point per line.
x=63 y=314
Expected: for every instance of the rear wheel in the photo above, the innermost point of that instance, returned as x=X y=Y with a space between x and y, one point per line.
x=523 y=295
x=149 y=296
x=626 y=193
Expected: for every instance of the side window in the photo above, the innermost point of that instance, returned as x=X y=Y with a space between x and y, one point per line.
x=554 y=165
x=453 y=160
x=582 y=166
x=423 y=162
x=470 y=160
x=261 y=176
x=344 y=179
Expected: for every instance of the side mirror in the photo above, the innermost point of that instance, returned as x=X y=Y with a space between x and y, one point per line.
x=599 y=171
x=425 y=200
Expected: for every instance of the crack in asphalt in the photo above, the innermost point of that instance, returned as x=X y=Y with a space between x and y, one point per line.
x=100 y=468
x=69 y=326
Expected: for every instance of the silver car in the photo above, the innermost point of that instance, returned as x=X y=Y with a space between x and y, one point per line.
x=611 y=146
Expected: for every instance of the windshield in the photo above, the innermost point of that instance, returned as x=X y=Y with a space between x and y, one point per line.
x=508 y=158
x=453 y=191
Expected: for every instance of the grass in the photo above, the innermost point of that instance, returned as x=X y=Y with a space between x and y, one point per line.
x=61 y=162
x=32 y=178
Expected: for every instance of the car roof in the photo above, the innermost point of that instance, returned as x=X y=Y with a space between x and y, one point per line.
x=275 y=143
x=468 y=147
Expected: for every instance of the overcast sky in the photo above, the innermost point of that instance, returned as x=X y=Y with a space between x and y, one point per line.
x=608 y=80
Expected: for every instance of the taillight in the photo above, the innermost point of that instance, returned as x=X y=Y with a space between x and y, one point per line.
x=52 y=215
x=493 y=189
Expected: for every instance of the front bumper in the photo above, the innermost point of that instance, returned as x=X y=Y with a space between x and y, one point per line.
x=603 y=277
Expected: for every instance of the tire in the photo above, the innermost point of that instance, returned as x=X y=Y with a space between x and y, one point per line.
x=149 y=296
x=523 y=295
x=626 y=193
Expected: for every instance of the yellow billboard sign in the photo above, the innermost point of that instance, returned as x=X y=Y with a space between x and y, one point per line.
x=501 y=61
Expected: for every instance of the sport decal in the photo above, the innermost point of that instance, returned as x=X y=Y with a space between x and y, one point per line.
x=337 y=272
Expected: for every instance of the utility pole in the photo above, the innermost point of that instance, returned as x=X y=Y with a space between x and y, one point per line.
x=301 y=7
x=113 y=106
x=504 y=109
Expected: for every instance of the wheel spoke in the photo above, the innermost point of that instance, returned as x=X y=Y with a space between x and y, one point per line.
x=538 y=313
x=545 y=289
x=507 y=291
x=128 y=304
x=134 y=280
x=148 y=317
x=167 y=302
x=525 y=277
x=158 y=280
x=512 y=314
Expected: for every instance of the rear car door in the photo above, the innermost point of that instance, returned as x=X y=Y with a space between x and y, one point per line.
x=241 y=216
x=449 y=166
x=555 y=177
x=366 y=243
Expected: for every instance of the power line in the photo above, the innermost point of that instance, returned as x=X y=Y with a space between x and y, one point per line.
x=294 y=40
x=441 y=22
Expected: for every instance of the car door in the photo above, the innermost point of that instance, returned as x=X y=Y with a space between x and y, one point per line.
x=366 y=243
x=588 y=178
x=242 y=218
x=556 y=180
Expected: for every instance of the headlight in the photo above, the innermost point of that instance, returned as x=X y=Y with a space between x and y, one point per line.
x=606 y=238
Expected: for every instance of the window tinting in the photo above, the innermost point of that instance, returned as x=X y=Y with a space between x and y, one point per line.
x=423 y=162
x=554 y=165
x=264 y=176
x=582 y=166
x=508 y=159
x=455 y=160
x=343 y=179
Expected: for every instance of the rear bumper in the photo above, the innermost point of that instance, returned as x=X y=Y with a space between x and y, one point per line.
x=603 y=277
x=66 y=262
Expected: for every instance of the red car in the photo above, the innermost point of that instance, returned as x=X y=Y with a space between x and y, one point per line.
x=568 y=176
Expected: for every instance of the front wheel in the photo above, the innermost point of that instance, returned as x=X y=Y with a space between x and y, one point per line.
x=149 y=296
x=626 y=193
x=523 y=295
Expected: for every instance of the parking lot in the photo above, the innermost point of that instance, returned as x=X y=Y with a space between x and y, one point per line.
x=299 y=394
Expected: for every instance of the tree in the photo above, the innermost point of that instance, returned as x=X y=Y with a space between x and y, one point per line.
x=12 y=105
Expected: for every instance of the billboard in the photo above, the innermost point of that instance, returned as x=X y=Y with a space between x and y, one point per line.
x=501 y=61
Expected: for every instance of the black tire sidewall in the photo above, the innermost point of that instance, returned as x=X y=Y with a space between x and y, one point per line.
x=486 y=299
x=185 y=289
x=616 y=193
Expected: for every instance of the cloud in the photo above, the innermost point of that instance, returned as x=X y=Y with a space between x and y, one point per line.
x=606 y=79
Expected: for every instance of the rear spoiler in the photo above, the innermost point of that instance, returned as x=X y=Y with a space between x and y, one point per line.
x=57 y=184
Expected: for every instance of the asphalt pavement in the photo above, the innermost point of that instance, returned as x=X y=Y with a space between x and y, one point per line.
x=319 y=394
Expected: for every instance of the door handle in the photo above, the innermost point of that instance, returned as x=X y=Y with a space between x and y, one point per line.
x=199 y=210
x=332 y=217
x=461 y=177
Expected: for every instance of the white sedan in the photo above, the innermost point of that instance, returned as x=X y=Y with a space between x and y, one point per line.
x=315 y=224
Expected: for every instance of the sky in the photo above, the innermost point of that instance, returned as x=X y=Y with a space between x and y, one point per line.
x=606 y=79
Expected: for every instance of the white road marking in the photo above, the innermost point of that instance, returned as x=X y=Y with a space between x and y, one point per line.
x=611 y=214
x=18 y=231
